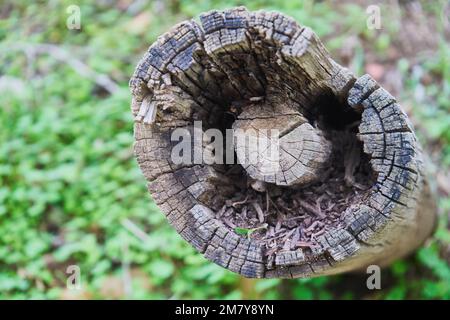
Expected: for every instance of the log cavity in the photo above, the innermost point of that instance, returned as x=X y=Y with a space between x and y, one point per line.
x=285 y=218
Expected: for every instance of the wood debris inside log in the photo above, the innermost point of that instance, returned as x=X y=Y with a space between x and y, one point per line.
x=287 y=218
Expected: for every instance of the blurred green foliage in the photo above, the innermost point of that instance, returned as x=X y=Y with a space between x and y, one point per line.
x=70 y=189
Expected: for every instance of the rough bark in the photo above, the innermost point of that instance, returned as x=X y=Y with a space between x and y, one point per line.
x=268 y=72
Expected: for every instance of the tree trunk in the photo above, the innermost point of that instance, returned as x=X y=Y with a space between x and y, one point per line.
x=347 y=188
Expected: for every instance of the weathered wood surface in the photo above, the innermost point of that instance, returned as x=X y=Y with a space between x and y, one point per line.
x=300 y=149
x=279 y=75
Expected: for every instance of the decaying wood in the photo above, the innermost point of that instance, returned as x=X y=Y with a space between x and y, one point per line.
x=351 y=189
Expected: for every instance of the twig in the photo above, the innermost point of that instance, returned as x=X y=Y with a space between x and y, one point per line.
x=234 y=204
x=274 y=205
x=312 y=209
x=134 y=229
x=62 y=55
x=318 y=233
x=259 y=212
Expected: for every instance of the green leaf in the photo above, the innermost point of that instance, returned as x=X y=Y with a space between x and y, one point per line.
x=242 y=231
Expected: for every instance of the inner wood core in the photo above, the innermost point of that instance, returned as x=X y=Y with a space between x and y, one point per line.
x=275 y=143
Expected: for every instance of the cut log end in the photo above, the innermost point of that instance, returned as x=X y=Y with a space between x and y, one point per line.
x=328 y=175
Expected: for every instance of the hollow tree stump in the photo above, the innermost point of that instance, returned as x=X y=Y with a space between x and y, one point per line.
x=348 y=189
